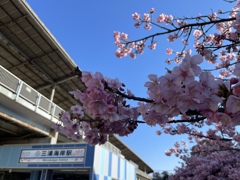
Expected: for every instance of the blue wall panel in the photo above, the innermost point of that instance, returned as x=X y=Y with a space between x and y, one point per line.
x=108 y=165
x=102 y=160
x=9 y=156
x=119 y=167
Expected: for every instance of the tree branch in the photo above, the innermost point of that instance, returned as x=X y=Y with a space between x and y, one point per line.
x=182 y=27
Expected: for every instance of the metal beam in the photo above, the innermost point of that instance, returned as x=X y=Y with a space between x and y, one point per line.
x=62 y=80
x=23 y=56
x=25 y=125
x=30 y=61
x=10 y=132
x=13 y=21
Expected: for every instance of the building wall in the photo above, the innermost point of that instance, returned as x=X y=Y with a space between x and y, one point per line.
x=103 y=164
x=108 y=165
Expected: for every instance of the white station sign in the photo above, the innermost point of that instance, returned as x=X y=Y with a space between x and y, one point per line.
x=53 y=156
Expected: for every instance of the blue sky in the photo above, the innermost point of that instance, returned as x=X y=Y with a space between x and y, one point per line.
x=85 y=30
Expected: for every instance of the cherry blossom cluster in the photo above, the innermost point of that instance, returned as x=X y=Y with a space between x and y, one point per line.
x=184 y=100
x=186 y=91
x=109 y=112
x=206 y=164
x=199 y=28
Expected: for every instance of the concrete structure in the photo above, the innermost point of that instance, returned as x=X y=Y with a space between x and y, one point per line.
x=34 y=84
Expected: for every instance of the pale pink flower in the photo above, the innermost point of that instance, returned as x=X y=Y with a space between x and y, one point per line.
x=147 y=26
x=209 y=38
x=236 y=70
x=153 y=45
x=111 y=113
x=169 y=51
x=168 y=61
x=65 y=117
x=116 y=34
x=213 y=16
x=131 y=45
x=189 y=51
x=184 y=73
x=140 y=47
x=119 y=53
x=224 y=73
x=152 y=10
x=77 y=94
x=124 y=36
x=77 y=110
x=137 y=24
x=170 y=18
x=146 y=17
x=133 y=55
x=171 y=38
x=184 y=143
x=161 y=18
x=177 y=60
x=85 y=126
x=233 y=104
x=182 y=128
x=168 y=153
x=236 y=89
x=91 y=136
x=180 y=23
x=136 y=16
x=185 y=43
x=222 y=118
x=197 y=33
x=113 y=83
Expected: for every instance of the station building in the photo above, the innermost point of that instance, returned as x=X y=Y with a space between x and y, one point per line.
x=34 y=84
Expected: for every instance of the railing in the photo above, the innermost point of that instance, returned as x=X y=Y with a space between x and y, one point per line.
x=112 y=148
x=24 y=94
x=143 y=175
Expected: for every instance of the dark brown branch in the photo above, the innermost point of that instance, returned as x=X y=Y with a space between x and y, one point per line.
x=135 y=98
x=221 y=67
x=182 y=27
x=202 y=136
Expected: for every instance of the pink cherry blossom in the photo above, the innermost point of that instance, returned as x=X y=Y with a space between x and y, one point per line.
x=124 y=36
x=233 y=104
x=152 y=10
x=161 y=18
x=158 y=132
x=198 y=97
x=133 y=55
x=153 y=45
x=136 y=16
x=146 y=17
x=148 y=26
x=169 y=51
x=197 y=33
x=171 y=38
x=77 y=110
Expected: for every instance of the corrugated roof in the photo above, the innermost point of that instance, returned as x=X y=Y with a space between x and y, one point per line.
x=29 y=51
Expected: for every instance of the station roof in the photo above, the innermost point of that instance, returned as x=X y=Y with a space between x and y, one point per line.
x=30 y=51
